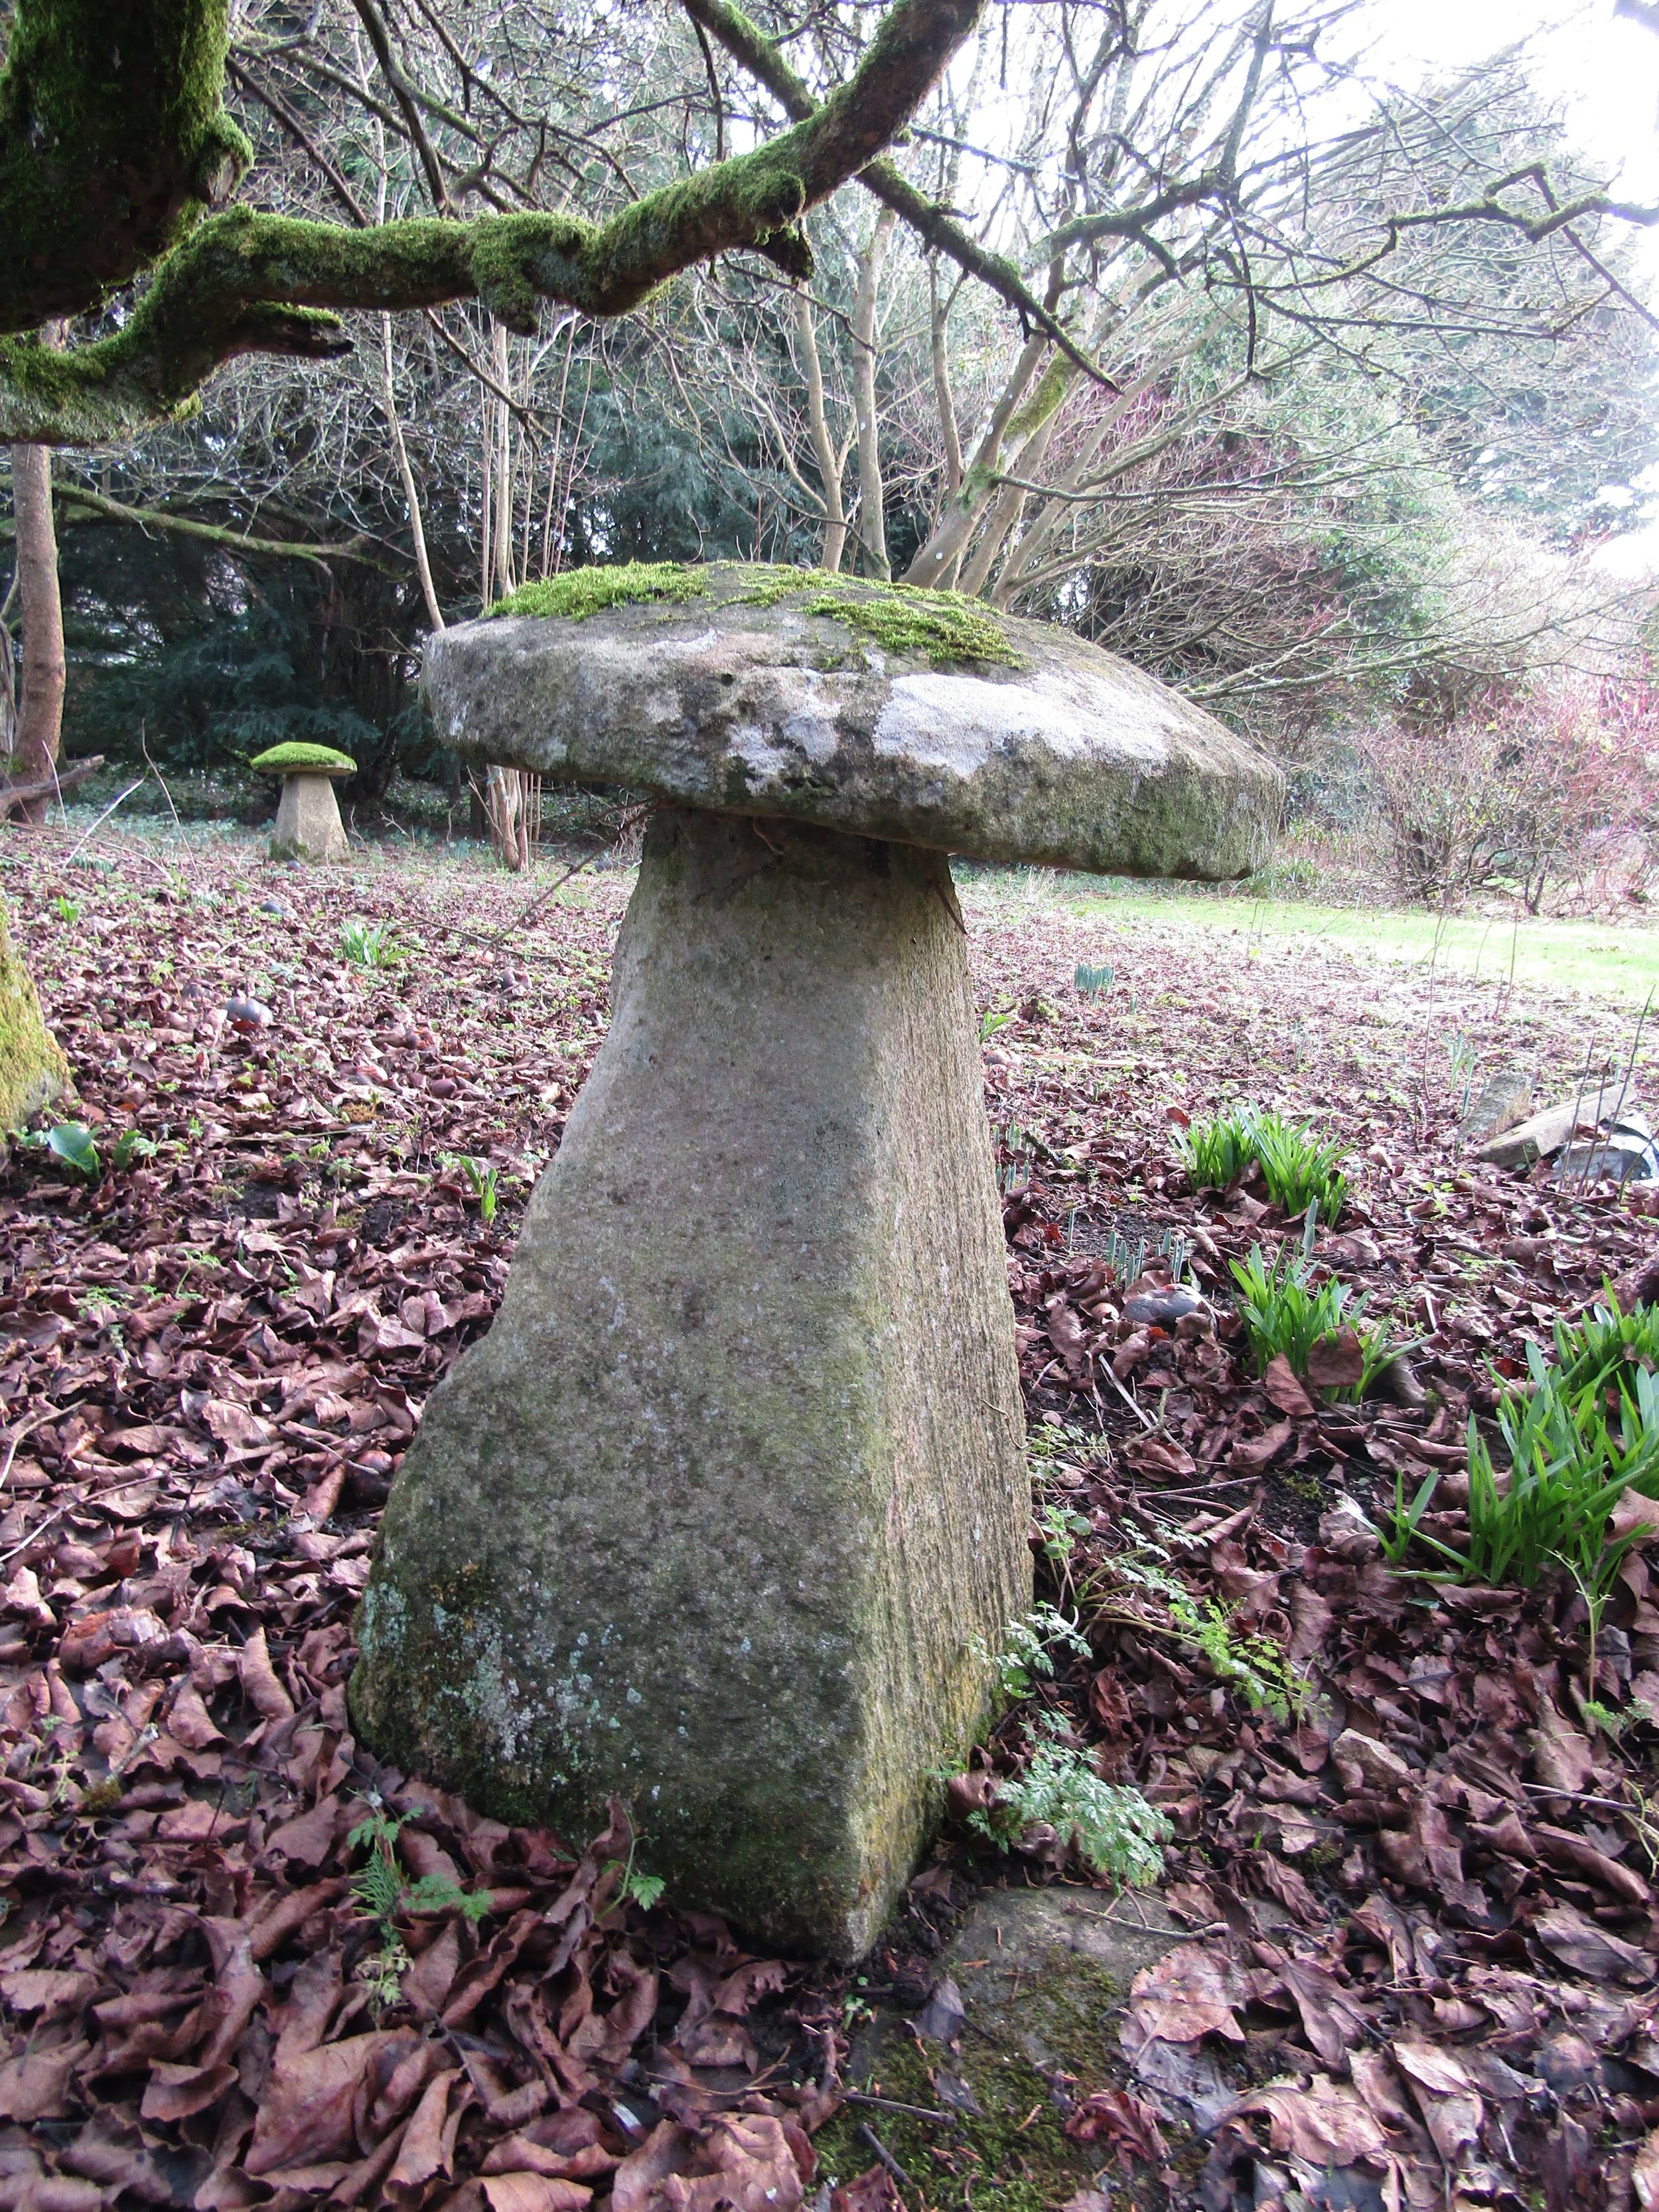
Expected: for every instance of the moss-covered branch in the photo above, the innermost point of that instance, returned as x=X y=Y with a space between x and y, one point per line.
x=246 y=283
x=114 y=145
x=79 y=500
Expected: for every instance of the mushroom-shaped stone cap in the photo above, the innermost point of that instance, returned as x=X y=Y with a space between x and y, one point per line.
x=922 y=717
x=303 y=760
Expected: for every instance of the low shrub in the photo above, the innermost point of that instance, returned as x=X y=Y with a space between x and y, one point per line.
x=1526 y=787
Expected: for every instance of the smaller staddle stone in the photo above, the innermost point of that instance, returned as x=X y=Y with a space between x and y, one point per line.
x=308 y=825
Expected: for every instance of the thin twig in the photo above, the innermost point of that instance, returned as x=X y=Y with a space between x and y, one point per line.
x=17 y=1438
x=81 y=1504
x=885 y=2154
x=103 y=818
x=1578 y=1102
x=1630 y=1069
x=1144 y=1420
x=143 y=748
x=907 y=2112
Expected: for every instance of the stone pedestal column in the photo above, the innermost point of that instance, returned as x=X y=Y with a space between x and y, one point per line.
x=713 y=1517
x=308 y=825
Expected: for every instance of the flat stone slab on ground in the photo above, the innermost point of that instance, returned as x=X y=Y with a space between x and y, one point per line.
x=1545 y=1132
x=1043 y=1977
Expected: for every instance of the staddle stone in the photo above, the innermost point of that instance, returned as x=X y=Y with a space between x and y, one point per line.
x=308 y=825
x=714 y=1516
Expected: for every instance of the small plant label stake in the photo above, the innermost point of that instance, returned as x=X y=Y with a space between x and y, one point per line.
x=726 y=1512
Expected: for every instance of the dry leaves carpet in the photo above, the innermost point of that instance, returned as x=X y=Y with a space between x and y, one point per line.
x=1422 y=1952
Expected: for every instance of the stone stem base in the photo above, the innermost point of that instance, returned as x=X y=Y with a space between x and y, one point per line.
x=308 y=824
x=714 y=1516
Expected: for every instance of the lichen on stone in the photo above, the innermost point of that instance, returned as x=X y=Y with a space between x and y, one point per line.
x=296 y=759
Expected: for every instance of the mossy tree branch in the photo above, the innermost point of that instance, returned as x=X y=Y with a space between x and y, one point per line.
x=246 y=283
x=114 y=145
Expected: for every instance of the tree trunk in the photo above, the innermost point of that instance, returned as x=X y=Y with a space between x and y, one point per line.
x=872 y=527
x=41 y=714
x=944 y=398
x=32 y=1071
x=406 y=477
x=824 y=449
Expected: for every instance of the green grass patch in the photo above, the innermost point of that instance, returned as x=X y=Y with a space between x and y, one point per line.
x=1607 y=960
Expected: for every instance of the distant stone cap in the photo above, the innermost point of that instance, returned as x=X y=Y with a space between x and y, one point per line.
x=303 y=760
x=920 y=717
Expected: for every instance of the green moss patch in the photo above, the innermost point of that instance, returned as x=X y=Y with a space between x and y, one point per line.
x=945 y=626
x=942 y=627
x=1014 y=2152
x=297 y=759
x=583 y=592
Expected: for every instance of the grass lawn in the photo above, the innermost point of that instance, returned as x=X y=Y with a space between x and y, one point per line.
x=1605 y=960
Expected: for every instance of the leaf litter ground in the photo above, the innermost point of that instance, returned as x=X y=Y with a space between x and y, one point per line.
x=1421 y=1945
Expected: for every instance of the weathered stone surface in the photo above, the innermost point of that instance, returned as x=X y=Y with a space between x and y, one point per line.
x=1505 y=1099
x=1544 y=1134
x=735 y=699
x=712 y=1515
x=308 y=825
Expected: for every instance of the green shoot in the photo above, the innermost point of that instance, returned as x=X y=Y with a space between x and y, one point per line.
x=1026 y=1655
x=480 y=1180
x=378 y=944
x=384 y=1894
x=1113 y=1829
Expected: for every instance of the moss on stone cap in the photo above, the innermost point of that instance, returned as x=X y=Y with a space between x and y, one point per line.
x=303 y=760
x=945 y=628
x=583 y=592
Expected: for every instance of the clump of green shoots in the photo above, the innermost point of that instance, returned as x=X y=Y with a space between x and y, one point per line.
x=376 y=945
x=1298 y=1170
x=1601 y=1356
x=1568 y=1470
x=1284 y=1314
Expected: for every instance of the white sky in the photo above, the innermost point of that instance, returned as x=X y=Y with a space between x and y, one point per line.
x=1607 y=72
